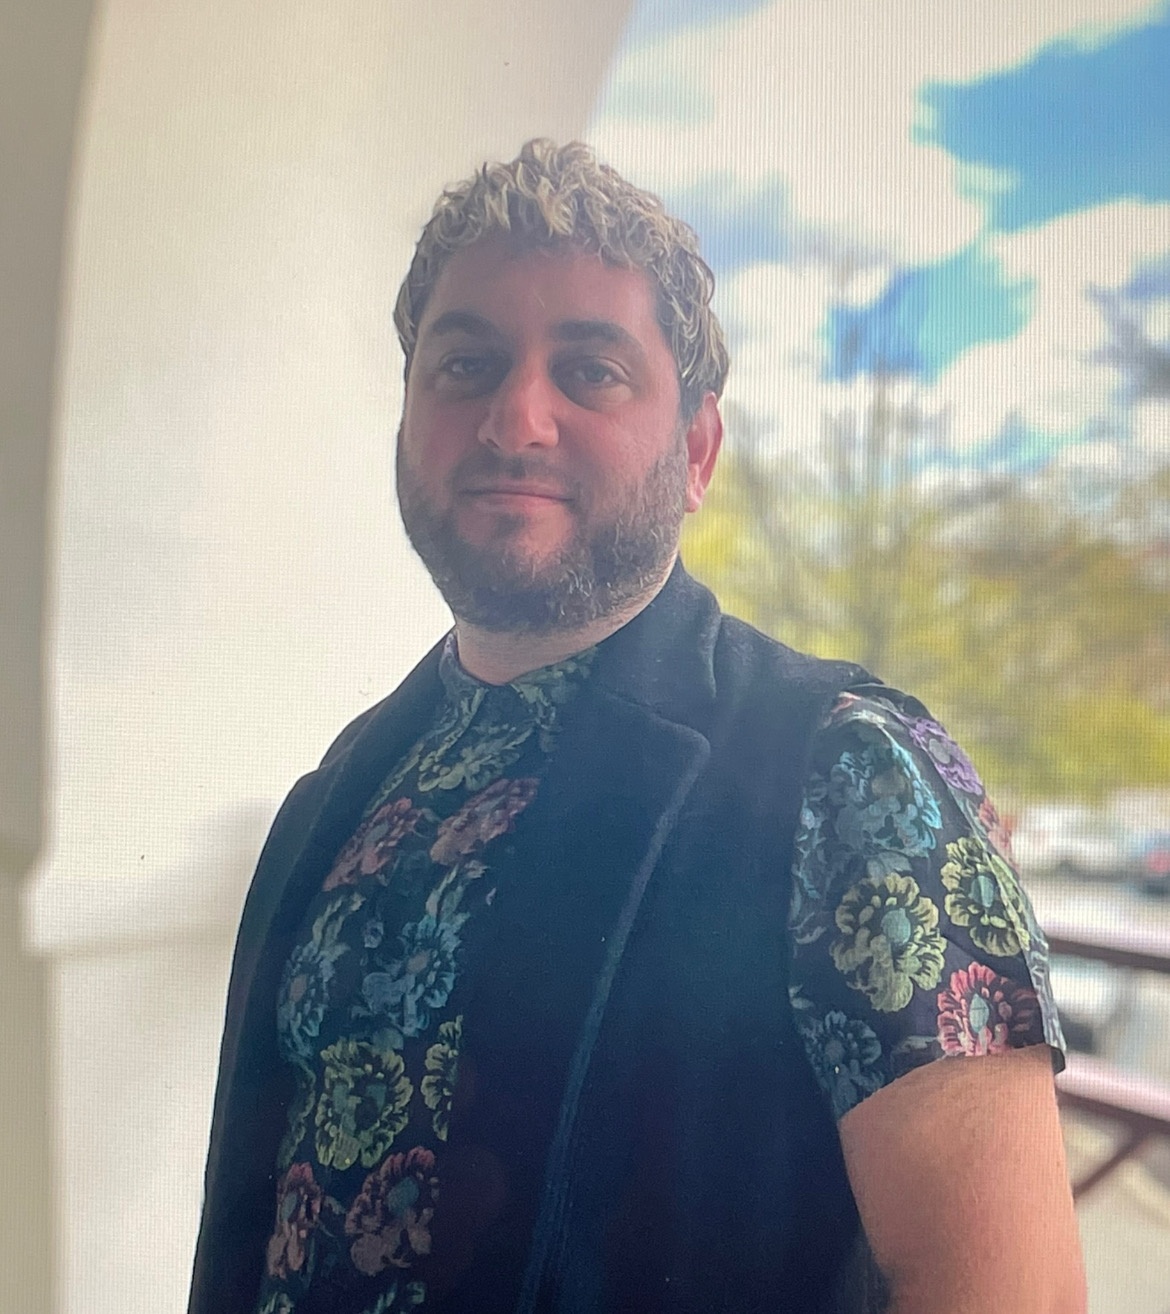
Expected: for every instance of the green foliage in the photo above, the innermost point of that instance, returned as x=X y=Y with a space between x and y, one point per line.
x=1030 y=626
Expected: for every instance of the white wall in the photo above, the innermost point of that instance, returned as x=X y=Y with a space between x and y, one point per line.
x=231 y=580
x=42 y=53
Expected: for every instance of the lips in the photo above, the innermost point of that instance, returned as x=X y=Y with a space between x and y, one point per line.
x=517 y=490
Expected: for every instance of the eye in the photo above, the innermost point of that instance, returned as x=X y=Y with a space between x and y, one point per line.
x=595 y=372
x=463 y=367
x=466 y=371
x=589 y=374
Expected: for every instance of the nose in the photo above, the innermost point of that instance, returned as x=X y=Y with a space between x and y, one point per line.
x=522 y=411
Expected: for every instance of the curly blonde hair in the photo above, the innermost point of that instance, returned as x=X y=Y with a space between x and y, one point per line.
x=551 y=195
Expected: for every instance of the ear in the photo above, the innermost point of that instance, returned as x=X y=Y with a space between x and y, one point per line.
x=704 y=438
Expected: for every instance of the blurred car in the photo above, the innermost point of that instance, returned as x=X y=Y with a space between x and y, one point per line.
x=1071 y=840
x=1090 y=998
x=1150 y=863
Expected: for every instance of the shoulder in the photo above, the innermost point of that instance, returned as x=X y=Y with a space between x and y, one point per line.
x=742 y=647
x=774 y=694
x=880 y=714
x=894 y=751
x=346 y=737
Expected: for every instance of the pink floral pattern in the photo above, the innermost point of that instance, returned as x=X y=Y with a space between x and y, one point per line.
x=980 y=1011
x=298 y=1208
x=484 y=817
x=375 y=843
x=390 y=1220
x=997 y=831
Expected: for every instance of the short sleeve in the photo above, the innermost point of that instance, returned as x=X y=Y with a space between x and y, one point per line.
x=912 y=939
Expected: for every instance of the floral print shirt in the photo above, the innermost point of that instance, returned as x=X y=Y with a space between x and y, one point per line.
x=369 y=1010
x=912 y=939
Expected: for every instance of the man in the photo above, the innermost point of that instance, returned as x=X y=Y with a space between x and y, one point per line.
x=622 y=959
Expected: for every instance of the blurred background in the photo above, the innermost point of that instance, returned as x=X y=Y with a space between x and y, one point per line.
x=941 y=236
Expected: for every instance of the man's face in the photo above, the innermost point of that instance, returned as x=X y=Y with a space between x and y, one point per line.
x=543 y=469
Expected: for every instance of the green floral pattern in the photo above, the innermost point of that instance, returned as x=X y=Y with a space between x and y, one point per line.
x=363 y=1106
x=397 y=1297
x=984 y=896
x=299 y=1111
x=279 y=1302
x=369 y=1011
x=442 y=1063
x=902 y=887
x=889 y=941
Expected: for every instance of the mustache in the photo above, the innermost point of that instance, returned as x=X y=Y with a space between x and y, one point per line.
x=486 y=466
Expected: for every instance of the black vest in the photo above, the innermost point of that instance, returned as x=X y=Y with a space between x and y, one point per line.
x=695 y=1165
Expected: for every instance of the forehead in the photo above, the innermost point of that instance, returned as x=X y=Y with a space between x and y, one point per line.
x=520 y=290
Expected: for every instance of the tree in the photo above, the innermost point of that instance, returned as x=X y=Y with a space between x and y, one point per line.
x=1037 y=633
x=1132 y=346
x=1031 y=614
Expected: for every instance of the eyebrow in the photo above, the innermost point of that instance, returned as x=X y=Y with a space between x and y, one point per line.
x=568 y=330
x=462 y=321
x=596 y=330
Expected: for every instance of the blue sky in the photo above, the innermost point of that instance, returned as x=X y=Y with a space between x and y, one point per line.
x=1073 y=128
x=982 y=168
x=926 y=317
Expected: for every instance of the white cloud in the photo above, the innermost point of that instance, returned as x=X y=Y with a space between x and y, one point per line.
x=823 y=94
x=1098 y=246
x=774 y=314
x=1151 y=430
x=1158 y=320
x=1048 y=390
x=1045 y=374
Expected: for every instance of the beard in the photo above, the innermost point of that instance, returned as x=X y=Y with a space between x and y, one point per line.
x=600 y=567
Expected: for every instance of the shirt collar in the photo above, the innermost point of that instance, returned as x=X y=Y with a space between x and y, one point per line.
x=540 y=693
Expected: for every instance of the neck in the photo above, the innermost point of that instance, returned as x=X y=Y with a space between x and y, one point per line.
x=499 y=657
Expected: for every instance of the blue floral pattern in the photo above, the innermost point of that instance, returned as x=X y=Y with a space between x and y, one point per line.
x=420 y=979
x=304 y=988
x=845 y=1054
x=368 y=1012
x=912 y=939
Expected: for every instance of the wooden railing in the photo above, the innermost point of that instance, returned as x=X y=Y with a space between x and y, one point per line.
x=1140 y=1104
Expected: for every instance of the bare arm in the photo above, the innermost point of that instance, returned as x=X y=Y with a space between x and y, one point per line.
x=959 y=1173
